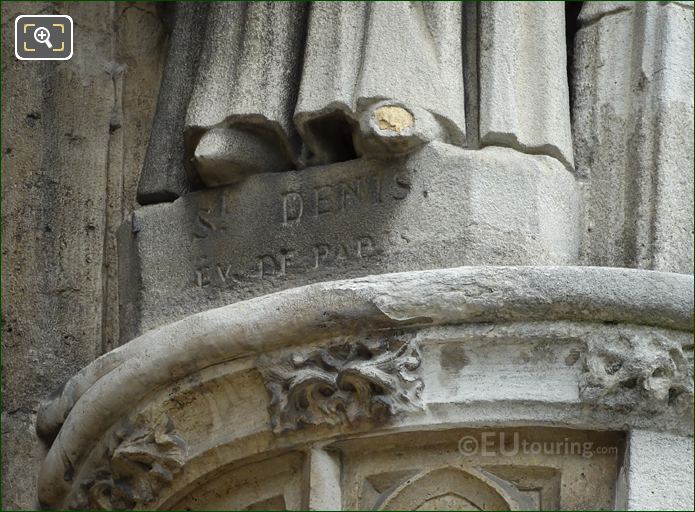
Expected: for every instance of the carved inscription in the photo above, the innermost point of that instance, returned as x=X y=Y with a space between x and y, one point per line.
x=316 y=202
x=343 y=196
x=286 y=262
x=294 y=208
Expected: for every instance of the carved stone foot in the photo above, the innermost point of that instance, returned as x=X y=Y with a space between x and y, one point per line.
x=390 y=128
x=227 y=155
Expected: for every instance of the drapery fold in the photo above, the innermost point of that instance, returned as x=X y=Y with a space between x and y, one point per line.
x=301 y=75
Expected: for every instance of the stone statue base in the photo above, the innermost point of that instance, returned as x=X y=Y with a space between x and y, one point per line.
x=442 y=207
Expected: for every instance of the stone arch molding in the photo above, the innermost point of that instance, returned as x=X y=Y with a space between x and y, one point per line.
x=452 y=488
x=145 y=424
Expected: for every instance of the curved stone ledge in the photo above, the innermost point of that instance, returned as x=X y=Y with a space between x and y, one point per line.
x=588 y=327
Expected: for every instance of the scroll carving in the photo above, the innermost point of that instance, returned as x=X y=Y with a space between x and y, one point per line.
x=343 y=383
x=141 y=460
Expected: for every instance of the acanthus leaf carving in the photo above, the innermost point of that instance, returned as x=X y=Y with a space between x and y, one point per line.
x=343 y=383
x=143 y=457
x=638 y=372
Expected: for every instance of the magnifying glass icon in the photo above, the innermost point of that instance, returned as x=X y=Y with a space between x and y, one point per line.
x=43 y=36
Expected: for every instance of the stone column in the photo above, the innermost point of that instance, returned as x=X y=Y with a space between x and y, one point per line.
x=633 y=124
x=658 y=472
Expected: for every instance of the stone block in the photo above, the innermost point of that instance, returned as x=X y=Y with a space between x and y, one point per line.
x=632 y=128
x=442 y=207
x=658 y=473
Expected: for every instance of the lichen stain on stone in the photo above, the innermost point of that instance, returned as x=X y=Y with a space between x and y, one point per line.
x=453 y=358
x=393 y=118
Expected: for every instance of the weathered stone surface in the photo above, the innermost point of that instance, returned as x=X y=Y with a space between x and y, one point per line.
x=356 y=381
x=140 y=460
x=301 y=81
x=276 y=483
x=22 y=455
x=257 y=354
x=167 y=149
x=544 y=293
x=633 y=125
x=428 y=473
x=283 y=74
x=324 y=470
x=524 y=96
x=658 y=472
x=74 y=134
x=441 y=207
x=428 y=469
x=643 y=371
x=226 y=155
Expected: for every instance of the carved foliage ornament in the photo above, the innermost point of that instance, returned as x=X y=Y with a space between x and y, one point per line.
x=638 y=372
x=342 y=383
x=142 y=458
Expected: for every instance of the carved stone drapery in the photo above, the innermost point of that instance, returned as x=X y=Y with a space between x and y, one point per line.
x=265 y=87
x=343 y=383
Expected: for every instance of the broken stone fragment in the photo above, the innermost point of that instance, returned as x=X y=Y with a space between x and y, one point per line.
x=227 y=155
x=389 y=128
x=394 y=118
